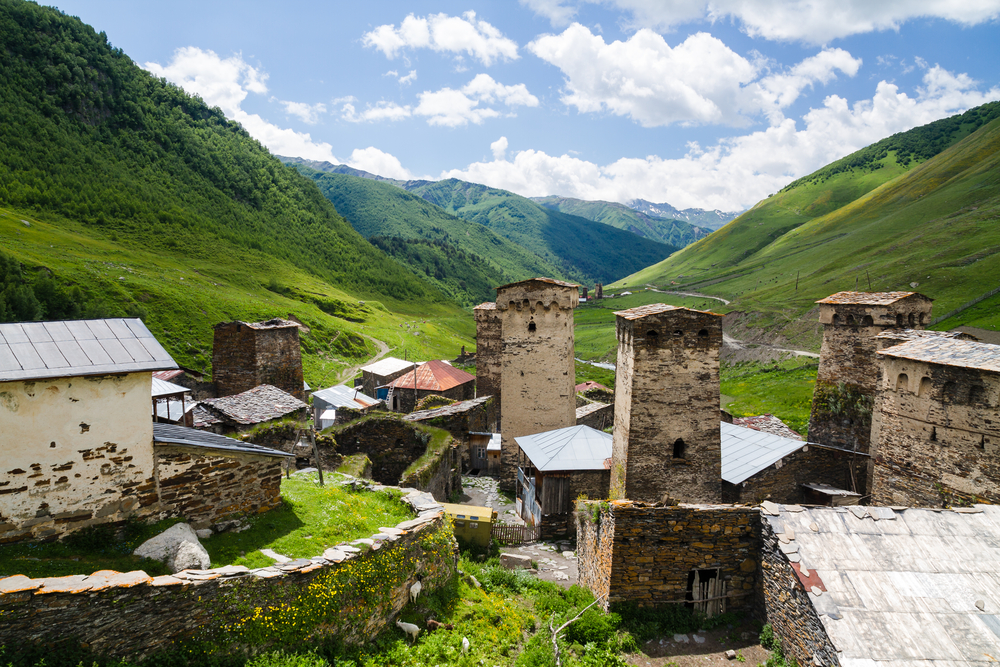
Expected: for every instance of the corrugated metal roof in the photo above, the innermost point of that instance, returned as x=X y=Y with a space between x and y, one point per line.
x=547 y=281
x=171 y=434
x=164 y=388
x=433 y=376
x=745 y=452
x=948 y=352
x=387 y=366
x=260 y=404
x=36 y=350
x=570 y=448
x=869 y=298
x=444 y=411
x=342 y=396
x=910 y=587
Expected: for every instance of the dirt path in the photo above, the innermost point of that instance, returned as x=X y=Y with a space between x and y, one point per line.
x=737 y=344
x=383 y=350
x=694 y=294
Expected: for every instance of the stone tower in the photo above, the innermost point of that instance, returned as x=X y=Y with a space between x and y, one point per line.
x=537 y=373
x=488 y=350
x=848 y=369
x=248 y=354
x=667 y=441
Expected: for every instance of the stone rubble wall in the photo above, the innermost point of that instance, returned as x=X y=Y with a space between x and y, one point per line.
x=132 y=614
x=597 y=418
x=244 y=357
x=489 y=344
x=781 y=483
x=637 y=553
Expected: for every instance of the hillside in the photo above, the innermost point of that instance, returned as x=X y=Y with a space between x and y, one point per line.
x=665 y=230
x=582 y=250
x=710 y=220
x=915 y=211
x=463 y=259
x=118 y=186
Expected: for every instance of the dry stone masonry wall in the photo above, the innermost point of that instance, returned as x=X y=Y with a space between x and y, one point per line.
x=489 y=347
x=245 y=355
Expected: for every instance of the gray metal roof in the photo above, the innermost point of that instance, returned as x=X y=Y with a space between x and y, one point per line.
x=162 y=388
x=948 y=352
x=171 y=434
x=342 y=396
x=36 y=350
x=904 y=587
x=570 y=448
x=387 y=366
x=746 y=451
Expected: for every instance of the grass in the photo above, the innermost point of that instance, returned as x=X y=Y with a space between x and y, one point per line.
x=783 y=389
x=311 y=519
x=354 y=465
x=439 y=439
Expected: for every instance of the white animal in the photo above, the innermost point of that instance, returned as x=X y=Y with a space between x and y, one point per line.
x=408 y=628
x=465 y=645
x=415 y=591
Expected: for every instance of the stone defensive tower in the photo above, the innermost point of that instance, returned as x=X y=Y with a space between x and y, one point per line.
x=667 y=440
x=489 y=346
x=248 y=354
x=537 y=372
x=848 y=368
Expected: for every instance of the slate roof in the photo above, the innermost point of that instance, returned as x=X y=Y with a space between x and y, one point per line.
x=171 y=434
x=570 y=448
x=276 y=323
x=547 y=281
x=899 y=587
x=488 y=305
x=767 y=423
x=585 y=410
x=948 y=352
x=447 y=410
x=37 y=350
x=342 y=396
x=903 y=335
x=433 y=376
x=161 y=388
x=260 y=404
x=387 y=366
x=745 y=452
x=869 y=298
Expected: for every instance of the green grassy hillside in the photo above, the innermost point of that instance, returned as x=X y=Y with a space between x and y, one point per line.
x=672 y=232
x=582 y=250
x=463 y=259
x=148 y=202
x=914 y=211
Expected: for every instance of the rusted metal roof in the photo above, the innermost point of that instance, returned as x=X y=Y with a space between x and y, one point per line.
x=260 y=404
x=547 y=281
x=447 y=410
x=948 y=352
x=588 y=385
x=36 y=350
x=869 y=298
x=489 y=305
x=433 y=376
x=177 y=372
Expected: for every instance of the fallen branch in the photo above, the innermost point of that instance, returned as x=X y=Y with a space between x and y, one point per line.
x=555 y=633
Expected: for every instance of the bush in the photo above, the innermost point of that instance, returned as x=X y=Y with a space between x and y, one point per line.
x=283 y=659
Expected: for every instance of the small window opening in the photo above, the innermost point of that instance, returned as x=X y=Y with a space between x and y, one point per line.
x=395 y=403
x=899 y=320
x=867 y=321
x=925 y=387
x=703 y=333
x=679 y=448
x=531 y=327
x=911 y=319
x=921 y=320
x=933 y=433
x=902 y=382
x=678 y=333
x=982 y=442
x=977 y=394
x=652 y=337
x=836 y=318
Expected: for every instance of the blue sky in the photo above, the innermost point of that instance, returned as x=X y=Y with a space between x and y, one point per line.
x=698 y=104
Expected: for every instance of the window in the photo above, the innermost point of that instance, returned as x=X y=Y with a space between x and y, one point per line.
x=531 y=327
x=867 y=321
x=473 y=525
x=977 y=394
x=925 y=386
x=902 y=382
x=460 y=524
x=703 y=333
x=480 y=452
x=679 y=448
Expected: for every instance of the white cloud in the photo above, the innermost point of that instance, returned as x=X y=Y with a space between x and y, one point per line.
x=225 y=83
x=379 y=162
x=499 y=148
x=812 y=21
x=701 y=80
x=307 y=113
x=555 y=11
x=453 y=108
x=381 y=111
x=440 y=32
x=409 y=78
x=736 y=173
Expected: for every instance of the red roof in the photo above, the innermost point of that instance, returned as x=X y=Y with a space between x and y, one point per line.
x=434 y=376
x=588 y=385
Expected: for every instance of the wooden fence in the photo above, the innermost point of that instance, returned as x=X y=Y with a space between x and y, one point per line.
x=508 y=535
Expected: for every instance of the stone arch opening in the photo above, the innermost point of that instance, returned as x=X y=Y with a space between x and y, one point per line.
x=867 y=321
x=911 y=319
x=925 y=387
x=703 y=333
x=679 y=448
x=902 y=382
x=532 y=327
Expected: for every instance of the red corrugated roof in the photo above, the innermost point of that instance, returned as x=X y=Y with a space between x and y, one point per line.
x=434 y=376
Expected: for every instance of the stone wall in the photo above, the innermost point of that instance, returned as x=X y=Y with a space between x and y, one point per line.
x=246 y=355
x=439 y=476
x=204 y=487
x=638 y=553
x=596 y=415
x=344 y=595
x=936 y=435
x=666 y=431
x=537 y=371
x=785 y=604
x=489 y=345
x=781 y=482
x=405 y=401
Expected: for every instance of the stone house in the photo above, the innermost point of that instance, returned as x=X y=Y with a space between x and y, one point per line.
x=434 y=378
x=78 y=444
x=537 y=369
x=554 y=469
x=381 y=373
x=472 y=424
x=841 y=413
x=936 y=429
x=248 y=354
x=242 y=412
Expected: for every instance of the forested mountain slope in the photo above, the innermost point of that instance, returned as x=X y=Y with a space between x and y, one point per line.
x=917 y=211
x=115 y=181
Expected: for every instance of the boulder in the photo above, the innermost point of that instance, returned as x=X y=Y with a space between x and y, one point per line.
x=515 y=561
x=177 y=547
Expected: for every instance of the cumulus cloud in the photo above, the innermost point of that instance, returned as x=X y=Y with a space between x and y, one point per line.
x=701 y=80
x=225 y=83
x=409 y=78
x=448 y=34
x=380 y=111
x=556 y=11
x=499 y=148
x=379 y=162
x=307 y=113
x=736 y=173
x=811 y=21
